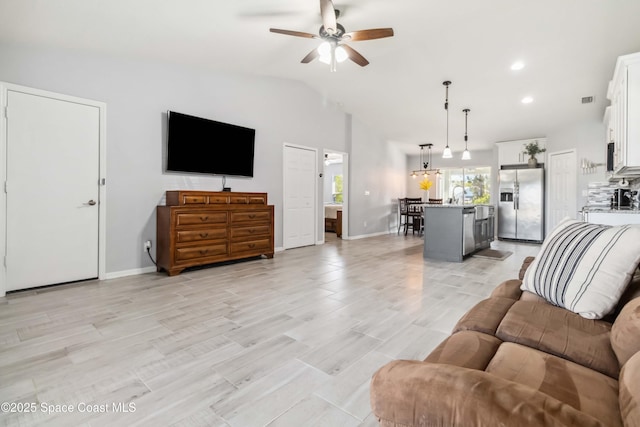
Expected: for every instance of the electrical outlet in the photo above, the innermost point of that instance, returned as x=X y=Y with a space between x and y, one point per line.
x=147 y=245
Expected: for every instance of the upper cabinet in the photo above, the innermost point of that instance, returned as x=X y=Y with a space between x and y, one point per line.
x=623 y=124
x=512 y=152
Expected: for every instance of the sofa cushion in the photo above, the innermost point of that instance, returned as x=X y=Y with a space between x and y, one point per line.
x=467 y=349
x=625 y=332
x=412 y=393
x=560 y=332
x=583 y=388
x=630 y=391
x=585 y=267
x=485 y=316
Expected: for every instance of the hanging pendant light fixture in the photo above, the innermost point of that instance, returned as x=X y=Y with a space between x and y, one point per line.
x=446 y=154
x=466 y=155
x=425 y=166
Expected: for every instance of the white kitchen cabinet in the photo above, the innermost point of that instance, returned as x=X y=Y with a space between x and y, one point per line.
x=624 y=121
x=613 y=218
x=512 y=152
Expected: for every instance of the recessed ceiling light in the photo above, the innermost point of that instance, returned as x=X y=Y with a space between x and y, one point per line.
x=518 y=65
x=527 y=100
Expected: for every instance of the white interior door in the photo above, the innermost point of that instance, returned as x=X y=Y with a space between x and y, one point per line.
x=52 y=178
x=562 y=187
x=298 y=220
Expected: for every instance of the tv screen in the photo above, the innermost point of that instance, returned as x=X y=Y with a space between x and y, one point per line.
x=201 y=145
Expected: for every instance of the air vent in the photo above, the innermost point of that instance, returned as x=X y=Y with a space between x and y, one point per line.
x=587 y=99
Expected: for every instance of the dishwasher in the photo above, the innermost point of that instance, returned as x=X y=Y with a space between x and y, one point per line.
x=468 y=225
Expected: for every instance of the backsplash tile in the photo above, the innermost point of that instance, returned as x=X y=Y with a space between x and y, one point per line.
x=600 y=193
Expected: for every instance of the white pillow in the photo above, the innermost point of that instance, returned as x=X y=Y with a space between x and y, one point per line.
x=585 y=267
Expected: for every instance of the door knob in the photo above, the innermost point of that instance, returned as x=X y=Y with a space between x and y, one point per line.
x=91 y=202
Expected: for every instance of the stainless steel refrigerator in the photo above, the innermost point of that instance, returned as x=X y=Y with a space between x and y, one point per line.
x=521 y=204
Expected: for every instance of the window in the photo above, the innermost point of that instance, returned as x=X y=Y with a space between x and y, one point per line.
x=467 y=186
x=336 y=189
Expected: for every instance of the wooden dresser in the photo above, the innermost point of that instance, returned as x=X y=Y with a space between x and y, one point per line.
x=205 y=227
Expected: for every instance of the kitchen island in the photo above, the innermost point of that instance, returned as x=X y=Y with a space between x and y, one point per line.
x=452 y=232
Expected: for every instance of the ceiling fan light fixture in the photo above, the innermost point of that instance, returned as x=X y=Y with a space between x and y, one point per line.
x=341 y=54
x=333 y=35
x=324 y=50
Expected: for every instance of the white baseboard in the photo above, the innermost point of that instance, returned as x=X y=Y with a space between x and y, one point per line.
x=364 y=236
x=278 y=249
x=132 y=272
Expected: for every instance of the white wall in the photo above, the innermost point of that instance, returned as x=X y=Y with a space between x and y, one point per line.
x=138 y=94
x=376 y=167
x=588 y=138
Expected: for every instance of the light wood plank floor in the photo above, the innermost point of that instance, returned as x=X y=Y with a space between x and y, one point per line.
x=289 y=341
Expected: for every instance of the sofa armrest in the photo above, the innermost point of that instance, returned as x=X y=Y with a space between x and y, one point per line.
x=412 y=393
x=525 y=264
x=508 y=289
x=630 y=391
x=485 y=316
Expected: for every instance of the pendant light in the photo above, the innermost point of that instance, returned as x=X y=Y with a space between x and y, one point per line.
x=466 y=155
x=426 y=167
x=446 y=154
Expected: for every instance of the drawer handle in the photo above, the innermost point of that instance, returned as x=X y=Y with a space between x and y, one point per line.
x=251 y=231
x=203 y=252
x=252 y=245
x=204 y=218
x=203 y=235
x=252 y=216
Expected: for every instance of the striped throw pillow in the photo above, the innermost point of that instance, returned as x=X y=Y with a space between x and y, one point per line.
x=585 y=267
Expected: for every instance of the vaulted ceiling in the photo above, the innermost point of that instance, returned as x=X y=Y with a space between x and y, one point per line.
x=568 y=48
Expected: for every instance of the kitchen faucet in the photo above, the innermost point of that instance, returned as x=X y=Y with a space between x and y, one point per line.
x=456 y=200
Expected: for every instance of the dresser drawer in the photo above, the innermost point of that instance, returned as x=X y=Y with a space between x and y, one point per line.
x=242 y=200
x=218 y=200
x=203 y=251
x=257 y=245
x=253 y=216
x=194 y=200
x=202 y=217
x=257 y=200
x=202 y=234
x=256 y=230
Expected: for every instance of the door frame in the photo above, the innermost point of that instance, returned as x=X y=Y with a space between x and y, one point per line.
x=5 y=88
x=345 y=195
x=551 y=183
x=315 y=192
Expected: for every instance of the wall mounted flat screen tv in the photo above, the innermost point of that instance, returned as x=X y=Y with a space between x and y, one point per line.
x=195 y=144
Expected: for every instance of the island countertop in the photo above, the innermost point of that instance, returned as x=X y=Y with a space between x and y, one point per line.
x=446 y=205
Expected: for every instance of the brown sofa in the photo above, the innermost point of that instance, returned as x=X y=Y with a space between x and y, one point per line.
x=515 y=360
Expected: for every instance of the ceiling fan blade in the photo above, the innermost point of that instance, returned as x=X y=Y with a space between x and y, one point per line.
x=328 y=13
x=293 y=33
x=375 y=33
x=310 y=56
x=355 y=56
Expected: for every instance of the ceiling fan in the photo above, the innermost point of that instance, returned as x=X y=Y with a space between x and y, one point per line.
x=334 y=48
